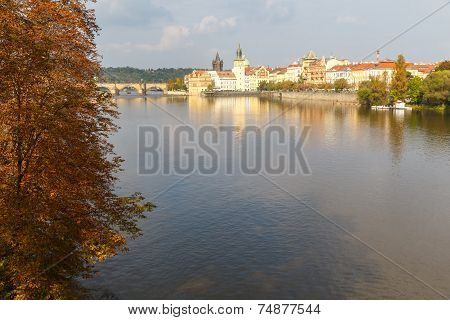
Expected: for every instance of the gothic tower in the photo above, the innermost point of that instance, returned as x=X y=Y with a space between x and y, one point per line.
x=240 y=64
x=217 y=64
x=239 y=53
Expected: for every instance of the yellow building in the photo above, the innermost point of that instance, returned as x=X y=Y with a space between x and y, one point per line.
x=279 y=75
x=199 y=81
x=314 y=69
x=256 y=76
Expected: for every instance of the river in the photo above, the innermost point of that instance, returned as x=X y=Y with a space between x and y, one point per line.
x=372 y=220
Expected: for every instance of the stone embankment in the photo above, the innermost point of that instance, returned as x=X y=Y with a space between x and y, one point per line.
x=330 y=96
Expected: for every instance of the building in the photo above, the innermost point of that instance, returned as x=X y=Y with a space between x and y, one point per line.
x=217 y=63
x=199 y=81
x=227 y=81
x=340 y=72
x=223 y=80
x=359 y=72
x=294 y=72
x=314 y=69
x=310 y=69
x=254 y=77
x=332 y=62
x=354 y=74
x=420 y=70
x=240 y=65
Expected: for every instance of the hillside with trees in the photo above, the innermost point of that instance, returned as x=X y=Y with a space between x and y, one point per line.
x=134 y=75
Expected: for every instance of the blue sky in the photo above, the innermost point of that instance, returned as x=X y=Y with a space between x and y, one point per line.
x=187 y=33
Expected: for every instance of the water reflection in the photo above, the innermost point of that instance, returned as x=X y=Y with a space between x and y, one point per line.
x=384 y=176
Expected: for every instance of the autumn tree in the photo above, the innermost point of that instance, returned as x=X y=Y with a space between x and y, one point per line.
x=176 y=85
x=59 y=212
x=415 y=90
x=373 y=92
x=399 y=85
x=341 y=84
x=436 y=88
x=445 y=65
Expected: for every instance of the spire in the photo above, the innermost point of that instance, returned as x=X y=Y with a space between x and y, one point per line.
x=239 y=52
x=311 y=55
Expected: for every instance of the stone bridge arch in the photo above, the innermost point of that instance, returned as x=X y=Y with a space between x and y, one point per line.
x=140 y=88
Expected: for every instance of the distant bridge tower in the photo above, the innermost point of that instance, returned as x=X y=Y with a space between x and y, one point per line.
x=217 y=63
x=143 y=87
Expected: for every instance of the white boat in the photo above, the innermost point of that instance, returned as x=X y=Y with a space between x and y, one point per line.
x=399 y=105
x=381 y=107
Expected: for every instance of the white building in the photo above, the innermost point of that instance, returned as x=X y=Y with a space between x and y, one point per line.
x=223 y=80
x=332 y=62
x=294 y=72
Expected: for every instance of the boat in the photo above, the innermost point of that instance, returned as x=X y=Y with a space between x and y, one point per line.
x=399 y=105
x=381 y=107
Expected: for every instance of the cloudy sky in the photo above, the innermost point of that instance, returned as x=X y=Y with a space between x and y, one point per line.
x=187 y=33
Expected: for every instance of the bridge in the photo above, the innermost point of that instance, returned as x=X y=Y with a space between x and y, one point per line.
x=141 y=89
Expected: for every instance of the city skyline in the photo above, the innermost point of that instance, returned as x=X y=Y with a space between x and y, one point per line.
x=153 y=33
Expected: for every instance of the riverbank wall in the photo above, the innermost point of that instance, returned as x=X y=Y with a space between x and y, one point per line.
x=232 y=94
x=329 y=96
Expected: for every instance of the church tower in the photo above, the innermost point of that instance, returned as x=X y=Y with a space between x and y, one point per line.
x=217 y=63
x=240 y=64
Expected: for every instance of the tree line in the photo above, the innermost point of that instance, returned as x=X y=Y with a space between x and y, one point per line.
x=135 y=75
x=434 y=90
x=339 y=85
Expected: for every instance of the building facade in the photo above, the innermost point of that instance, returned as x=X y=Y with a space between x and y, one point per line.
x=199 y=81
x=255 y=76
x=314 y=69
x=359 y=72
x=294 y=72
x=223 y=80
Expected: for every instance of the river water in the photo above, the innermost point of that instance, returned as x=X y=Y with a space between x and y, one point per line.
x=372 y=221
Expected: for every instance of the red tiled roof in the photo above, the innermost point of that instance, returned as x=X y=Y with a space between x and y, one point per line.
x=226 y=74
x=424 y=68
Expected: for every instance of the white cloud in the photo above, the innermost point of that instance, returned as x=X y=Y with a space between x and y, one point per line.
x=211 y=24
x=280 y=10
x=176 y=36
x=172 y=37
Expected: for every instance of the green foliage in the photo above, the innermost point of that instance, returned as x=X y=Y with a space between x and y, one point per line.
x=176 y=85
x=436 y=88
x=278 y=86
x=399 y=85
x=373 y=92
x=134 y=75
x=415 y=90
x=291 y=86
x=341 y=84
x=210 y=87
x=443 y=66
